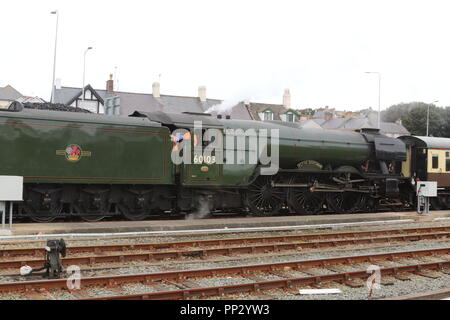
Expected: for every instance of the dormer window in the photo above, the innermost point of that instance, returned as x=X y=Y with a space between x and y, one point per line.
x=268 y=115
x=290 y=117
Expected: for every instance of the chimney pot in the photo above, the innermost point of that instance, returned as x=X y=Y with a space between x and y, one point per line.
x=202 y=93
x=287 y=99
x=110 y=84
x=155 y=90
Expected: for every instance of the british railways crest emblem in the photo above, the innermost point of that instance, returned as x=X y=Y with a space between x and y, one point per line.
x=73 y=153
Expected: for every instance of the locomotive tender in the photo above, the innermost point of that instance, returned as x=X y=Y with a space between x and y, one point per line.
x=93 y=166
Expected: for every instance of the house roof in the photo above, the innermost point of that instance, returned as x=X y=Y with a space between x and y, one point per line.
x=9 y=93
x=308 y=123
x=359 y=123
x=131 y=101
x=145 y=102
x=392 y=127
x=86 y=88
x=256 y=108
x=27 y=99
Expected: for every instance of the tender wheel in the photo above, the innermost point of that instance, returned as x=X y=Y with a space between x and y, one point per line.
x=42 y=205
x=345 y=202
x=136 y=204
x=94 y=204
x=262 y=199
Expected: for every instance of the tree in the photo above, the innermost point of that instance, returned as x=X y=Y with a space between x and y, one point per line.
x=414 y=118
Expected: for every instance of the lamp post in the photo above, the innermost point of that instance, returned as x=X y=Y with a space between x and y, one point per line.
x=52 y=98
x=428 y=114
x=84 y=70
x=379 y=95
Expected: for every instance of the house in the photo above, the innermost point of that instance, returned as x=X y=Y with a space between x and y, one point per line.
x=351 y=121
x=273 y=112
x=111 y=102
x=8 y=94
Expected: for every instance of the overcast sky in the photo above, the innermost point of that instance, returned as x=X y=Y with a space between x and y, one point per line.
x=238 y=49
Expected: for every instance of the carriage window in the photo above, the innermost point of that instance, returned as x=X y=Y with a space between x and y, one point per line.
x=435 y=161
x=447 y=161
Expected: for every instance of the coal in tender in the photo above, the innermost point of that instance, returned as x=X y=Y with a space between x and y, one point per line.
x=53 y=106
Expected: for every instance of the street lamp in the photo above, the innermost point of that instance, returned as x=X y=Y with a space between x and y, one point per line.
x=428 y=114
x=52 y=98
x=84 y=70
x=379 y=95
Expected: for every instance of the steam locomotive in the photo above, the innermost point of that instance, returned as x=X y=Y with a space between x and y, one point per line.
x=95 y=166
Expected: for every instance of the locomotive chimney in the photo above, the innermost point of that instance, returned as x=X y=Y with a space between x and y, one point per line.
x=287 y=99
x=155 y=90
x=110 y=84
x=202 y=93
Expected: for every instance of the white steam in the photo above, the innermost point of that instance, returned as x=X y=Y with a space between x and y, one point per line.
x=268 y=89
x=203 y=209
x=224 y=107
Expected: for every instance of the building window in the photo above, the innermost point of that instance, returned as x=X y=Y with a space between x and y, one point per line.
x=268 y=115
x=435 y=161
x=112 y=106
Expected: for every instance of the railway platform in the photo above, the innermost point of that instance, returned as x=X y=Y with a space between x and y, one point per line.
x=223 y=223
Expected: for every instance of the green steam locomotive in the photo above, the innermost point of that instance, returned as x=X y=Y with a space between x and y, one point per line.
x=95 y=166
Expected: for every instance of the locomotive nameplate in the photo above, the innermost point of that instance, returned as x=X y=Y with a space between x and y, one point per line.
x=309 y=164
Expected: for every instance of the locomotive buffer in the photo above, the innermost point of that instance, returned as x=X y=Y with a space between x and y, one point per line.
x=11 y=189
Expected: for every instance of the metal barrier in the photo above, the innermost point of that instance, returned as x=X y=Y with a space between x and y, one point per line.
x=425 y=190
x=11 y=189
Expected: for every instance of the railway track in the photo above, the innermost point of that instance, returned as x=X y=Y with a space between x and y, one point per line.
x=229 y=246
x=283 y=270
x=421 y=231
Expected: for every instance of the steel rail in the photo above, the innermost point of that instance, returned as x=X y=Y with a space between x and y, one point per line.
x=286 y=283
x=149 y=278
x=427 y=295
x=205 y=252
x=224 y=241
